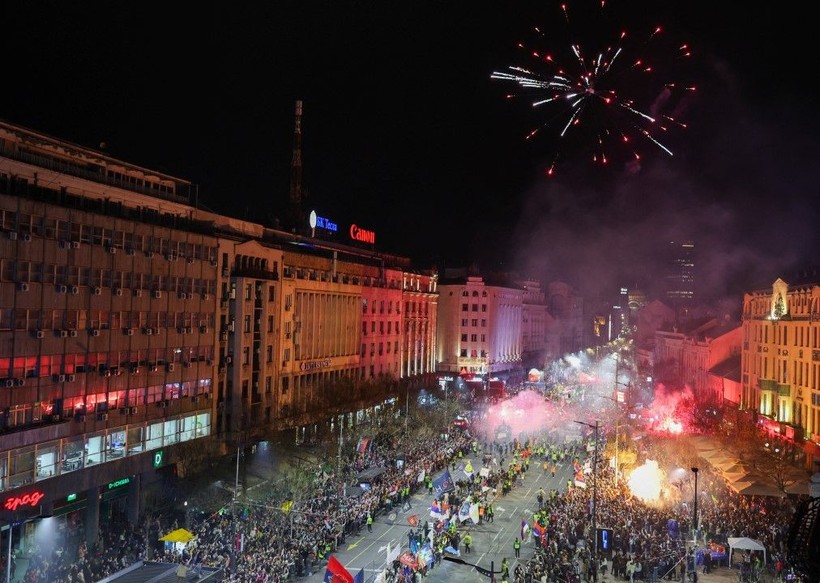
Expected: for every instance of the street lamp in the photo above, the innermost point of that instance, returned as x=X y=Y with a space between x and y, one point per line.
x=695 y=523
x=594 y=484
x=695 y=507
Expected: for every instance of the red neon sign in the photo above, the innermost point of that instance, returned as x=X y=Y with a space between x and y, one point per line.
x=363 y=235
x=31 y=499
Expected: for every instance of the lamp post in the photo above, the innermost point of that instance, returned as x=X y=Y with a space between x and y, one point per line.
x=695 y=507
x=594 y=484
x=695 y=527
x=491 y=572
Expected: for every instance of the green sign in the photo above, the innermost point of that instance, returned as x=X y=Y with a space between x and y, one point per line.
x=118 y=483
x=157 y=458
x=71 y=497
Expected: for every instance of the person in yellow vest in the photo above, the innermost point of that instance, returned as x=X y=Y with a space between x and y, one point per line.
x=468 y=542
x=517 y=548
x=369 y=522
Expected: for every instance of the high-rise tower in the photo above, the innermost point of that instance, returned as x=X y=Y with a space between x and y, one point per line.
x=296 y=216
x=680 y=275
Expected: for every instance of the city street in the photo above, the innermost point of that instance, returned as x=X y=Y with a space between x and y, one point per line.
x=491 y=542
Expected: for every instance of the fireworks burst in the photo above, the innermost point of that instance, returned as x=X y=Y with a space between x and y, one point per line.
x=610 y=100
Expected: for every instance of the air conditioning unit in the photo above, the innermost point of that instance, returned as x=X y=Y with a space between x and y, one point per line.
x=129 y=251
x=148 y=331
x=188 y=364
x=8 y=383
x=112 y=250
x=149 y=254
x=40 y=334
x=228 y=359
x=137 y=293
x=102 y=416
x=65 y=244
x=194 y=400
x=70 y=378
x=19 y=382
x=58 y=378
x=97 y=291
x=170 y=367
x=203 y=329
x=157 y=294
x=132 y=411
x=129 y=331
x=206 y=297
x=181 y=329
x=94 y=332
x=105 y=372
x=134 y=370
x=23 y=286
x=12 y=235
x=223 y=335
x=161 y=404
x=156 y=331
x=75 y=289
x=189 y=330
x=117 y=291
x=72 y=333
x=123 y=410
x=226 y=272
x=26 y=237
x=154 y=368
x=170 y=257
x=183 y=296
x=56 y=418
x=190 y=260
x=63 y=333
x=75 y=244
x=61 y=289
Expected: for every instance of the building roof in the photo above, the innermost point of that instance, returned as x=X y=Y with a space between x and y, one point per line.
x=729 y=368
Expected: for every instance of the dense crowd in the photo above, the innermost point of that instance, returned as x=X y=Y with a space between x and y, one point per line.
x=265 y=542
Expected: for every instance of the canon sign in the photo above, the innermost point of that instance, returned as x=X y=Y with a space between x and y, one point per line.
x=363 y=235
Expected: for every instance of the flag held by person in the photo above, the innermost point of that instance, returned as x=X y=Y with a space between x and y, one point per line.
x=336 y=573
x=359 y=578
x=413 y=520
x=442 y=484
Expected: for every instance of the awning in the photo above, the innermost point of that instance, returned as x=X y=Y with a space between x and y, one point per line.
x=179 y=535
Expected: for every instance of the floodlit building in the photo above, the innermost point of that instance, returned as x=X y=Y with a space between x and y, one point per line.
x=139 y=333
x=781 y=364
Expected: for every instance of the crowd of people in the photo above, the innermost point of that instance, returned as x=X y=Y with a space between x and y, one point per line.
x=273 y=541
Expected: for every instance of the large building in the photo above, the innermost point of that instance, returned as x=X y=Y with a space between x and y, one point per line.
x=479 y=327
x=137 y=330
x=781 y=364
x=680 y=275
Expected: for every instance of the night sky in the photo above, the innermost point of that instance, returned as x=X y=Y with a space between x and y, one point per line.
x=404 y=132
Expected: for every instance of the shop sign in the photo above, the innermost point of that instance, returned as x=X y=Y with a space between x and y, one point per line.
x=314 y=364
x=118 y=483
x=71 y=497
x=31 y=499
x=157 y=458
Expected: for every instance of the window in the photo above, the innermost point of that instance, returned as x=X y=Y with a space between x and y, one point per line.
x=475 y=307
x=463 y=352
x=464 y=337
x=271 y=293
x=464 y=307
x=269 y=353
x=364 y=328
x=483 y=307
x=247 y=325
x=464 y=321
x=246 y=355
x=473 y=337
x=474 y=322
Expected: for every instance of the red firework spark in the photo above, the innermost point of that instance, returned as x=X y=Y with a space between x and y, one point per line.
x=611 y=101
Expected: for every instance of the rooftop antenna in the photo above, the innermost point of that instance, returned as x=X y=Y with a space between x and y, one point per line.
x=296 y=214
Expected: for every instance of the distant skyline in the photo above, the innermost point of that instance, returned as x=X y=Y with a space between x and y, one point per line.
x=405 y=134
